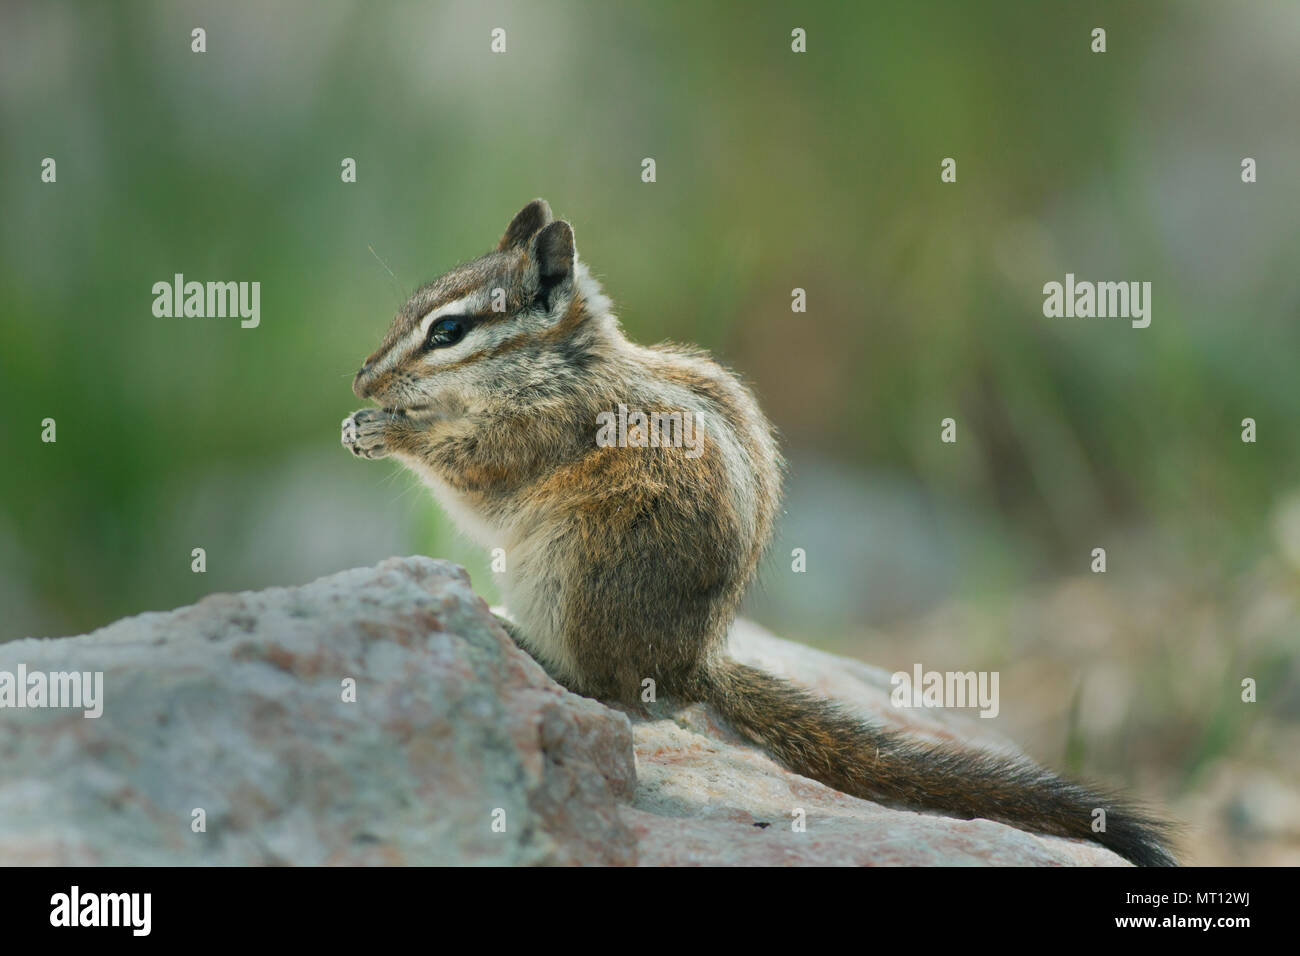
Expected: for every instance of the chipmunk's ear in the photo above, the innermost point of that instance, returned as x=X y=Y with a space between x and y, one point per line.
x=526 y=224
x=555 y=254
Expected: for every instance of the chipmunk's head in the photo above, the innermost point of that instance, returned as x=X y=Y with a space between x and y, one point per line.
x=509 y=319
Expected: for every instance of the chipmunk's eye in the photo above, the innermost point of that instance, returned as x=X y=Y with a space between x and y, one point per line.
x=446 y=331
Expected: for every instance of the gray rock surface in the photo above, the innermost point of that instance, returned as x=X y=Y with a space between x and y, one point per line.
x=236 y=706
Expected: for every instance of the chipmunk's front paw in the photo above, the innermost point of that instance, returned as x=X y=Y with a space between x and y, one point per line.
x=364 y=433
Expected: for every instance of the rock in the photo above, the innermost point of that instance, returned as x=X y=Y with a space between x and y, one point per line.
x=235 y=706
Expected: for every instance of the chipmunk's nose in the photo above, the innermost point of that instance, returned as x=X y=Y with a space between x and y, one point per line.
x=361 y=384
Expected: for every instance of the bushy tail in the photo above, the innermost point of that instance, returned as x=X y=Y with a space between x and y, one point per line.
x=815 y=737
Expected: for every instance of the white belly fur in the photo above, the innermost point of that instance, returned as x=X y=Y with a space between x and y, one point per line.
x=533 y=606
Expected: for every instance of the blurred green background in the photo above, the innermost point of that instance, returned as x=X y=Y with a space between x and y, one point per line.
x=775 y=170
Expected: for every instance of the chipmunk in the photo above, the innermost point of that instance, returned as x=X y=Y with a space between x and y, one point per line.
x=627 y=560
